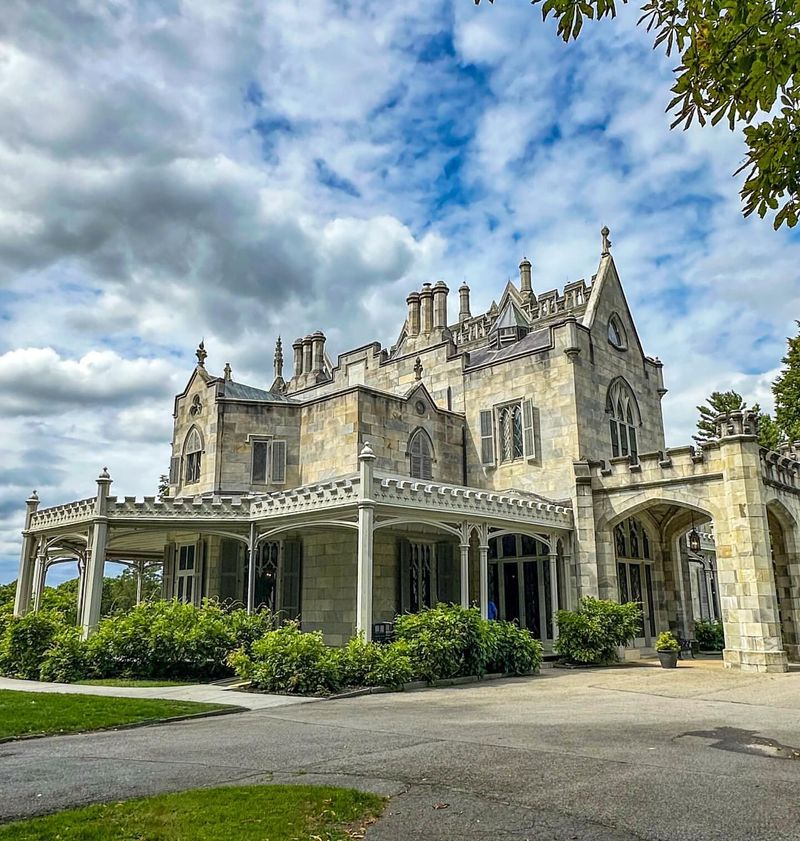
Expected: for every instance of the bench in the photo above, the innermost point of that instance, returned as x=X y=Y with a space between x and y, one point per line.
x=688 y=645
x=382 y=632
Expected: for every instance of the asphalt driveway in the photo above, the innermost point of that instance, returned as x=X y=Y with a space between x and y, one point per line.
x=635 y=752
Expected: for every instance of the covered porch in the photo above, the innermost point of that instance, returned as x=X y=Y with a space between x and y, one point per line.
x=340 y=555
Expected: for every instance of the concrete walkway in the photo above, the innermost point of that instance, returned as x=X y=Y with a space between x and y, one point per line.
x=201 y=692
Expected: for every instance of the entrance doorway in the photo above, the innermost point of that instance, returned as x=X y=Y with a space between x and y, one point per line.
x=520 y=583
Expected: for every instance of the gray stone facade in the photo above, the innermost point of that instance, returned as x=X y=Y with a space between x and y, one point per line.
x=514 y=457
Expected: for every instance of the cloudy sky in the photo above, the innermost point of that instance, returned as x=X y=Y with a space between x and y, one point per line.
x=235 y=170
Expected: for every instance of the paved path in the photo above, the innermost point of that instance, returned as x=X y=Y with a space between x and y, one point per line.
x=629 y=753
x=205 y=693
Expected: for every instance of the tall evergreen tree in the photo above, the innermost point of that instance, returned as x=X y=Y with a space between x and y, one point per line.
x=786 y=389
x=718 y=402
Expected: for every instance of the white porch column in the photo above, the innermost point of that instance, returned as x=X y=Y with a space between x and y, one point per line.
x=483 y=549
x=22 y=598
x=464 y=546
x=139 y=575
x=366 y=523
x=81 y=585
x=96 y=557
x=251 y=571
x=39 y=573
x=554 y=584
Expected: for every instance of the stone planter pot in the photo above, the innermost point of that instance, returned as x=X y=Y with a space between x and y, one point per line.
x=669 y=659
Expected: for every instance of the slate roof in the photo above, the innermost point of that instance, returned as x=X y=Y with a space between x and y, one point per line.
x=240 y=391
x=535 y=340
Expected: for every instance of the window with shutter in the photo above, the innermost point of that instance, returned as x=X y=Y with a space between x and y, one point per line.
x=528 y=415
x=420 y=452
x=279 y=462
x=487 y=437
x=260 y=462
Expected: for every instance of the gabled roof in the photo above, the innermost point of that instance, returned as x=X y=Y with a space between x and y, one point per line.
x=510 y=317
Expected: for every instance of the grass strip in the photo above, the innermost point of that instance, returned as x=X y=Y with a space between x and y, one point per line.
x=244 y=813
x=50 y=713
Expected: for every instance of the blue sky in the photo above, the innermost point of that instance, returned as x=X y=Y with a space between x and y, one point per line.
x=229 y=170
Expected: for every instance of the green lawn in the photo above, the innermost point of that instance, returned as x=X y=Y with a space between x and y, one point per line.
x=44 y=713
x=133 y=681
x=246 y=813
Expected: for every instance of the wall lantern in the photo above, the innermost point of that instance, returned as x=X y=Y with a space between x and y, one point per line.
x=694 y=539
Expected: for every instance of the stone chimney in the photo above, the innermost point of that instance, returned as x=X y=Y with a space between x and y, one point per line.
x=426 y=308
x=413 y=314
x=525 y=277
x=440 y=293
x=463 y=300
x=297 y=347
x=317 y=352
x=308 y=355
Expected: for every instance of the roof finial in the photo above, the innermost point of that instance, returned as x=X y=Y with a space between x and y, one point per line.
x=606 y=242
x=278 y=364
x=201 y=354
x=228 y=371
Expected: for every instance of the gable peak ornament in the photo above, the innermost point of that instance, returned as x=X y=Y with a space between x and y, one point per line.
x=201 y=354
x=606 y=248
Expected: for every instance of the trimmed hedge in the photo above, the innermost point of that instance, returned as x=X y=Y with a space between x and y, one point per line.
x=442 y=642
x=592 y=633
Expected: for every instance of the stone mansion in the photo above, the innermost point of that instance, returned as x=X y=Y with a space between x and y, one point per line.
x=513 y=457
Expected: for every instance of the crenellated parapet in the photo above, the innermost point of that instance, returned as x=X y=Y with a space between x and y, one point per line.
x=781 y=469
x=743 y=422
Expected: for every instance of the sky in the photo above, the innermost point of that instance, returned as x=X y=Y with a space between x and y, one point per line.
x=171 y=171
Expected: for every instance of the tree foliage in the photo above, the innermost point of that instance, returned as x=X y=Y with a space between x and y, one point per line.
x=716 y=404
x=739 y=62
x=786 y=389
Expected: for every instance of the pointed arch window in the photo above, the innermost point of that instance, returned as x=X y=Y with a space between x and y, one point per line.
x=511 y=438
x=192 y=455
x=623 y=420
x=616 y=335
x=420 y=451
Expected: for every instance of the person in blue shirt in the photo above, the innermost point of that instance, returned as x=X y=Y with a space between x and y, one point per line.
x=492 y=612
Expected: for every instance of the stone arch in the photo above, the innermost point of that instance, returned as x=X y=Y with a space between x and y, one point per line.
x=782 y=528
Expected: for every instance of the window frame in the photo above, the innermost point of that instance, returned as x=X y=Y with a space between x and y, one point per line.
x=420 y=434
x=183 y=579
x=615 y=324
x=273 y=446
x=523 y=431
x=624 y=420
x=192 y=460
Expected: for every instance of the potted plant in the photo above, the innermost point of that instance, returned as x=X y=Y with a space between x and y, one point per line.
x=667 y=648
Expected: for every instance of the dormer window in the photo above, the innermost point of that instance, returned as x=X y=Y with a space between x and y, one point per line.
x=616 y=335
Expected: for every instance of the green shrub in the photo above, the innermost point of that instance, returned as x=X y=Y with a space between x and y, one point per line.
x=444 y=641
x=25 y=641
x=357 y=660
x=667 y=642
x=593 y=632
x=164 y=640
x=710 y=635
x=512 y=650
x=393 y=667
x=249 y=627
x=288 y=660
x=67 y=658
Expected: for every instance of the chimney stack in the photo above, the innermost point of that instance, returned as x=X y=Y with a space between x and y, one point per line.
x=307 y=355
x=440 y=293
x=426 y=308
x=413 y=314
x=318 y=351
x=297 y=347
x=463 y=297
x=525 y=277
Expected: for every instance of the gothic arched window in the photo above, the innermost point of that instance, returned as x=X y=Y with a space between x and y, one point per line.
x=623 y=420
x=616 y=335
x=510 y=425
x=192 y=453
x=420 y=451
